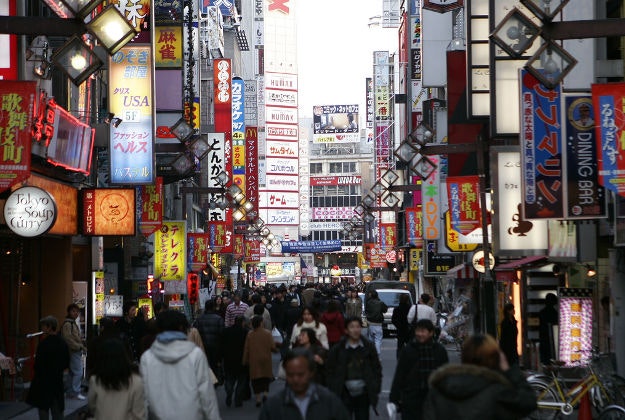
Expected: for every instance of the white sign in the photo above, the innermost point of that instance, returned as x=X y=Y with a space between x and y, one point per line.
x=30 y=211
x=479 y=263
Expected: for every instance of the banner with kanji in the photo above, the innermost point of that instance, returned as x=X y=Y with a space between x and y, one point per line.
x=198 y=245
x=414 y=226
x=463 y=194
x=150 y=205
x=170 y=251
x=220 y=237
x=388 y=236
x=609 y=103
x=541 y=153
x=17 y=100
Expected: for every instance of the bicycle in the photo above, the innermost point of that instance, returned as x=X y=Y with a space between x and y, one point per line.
x=554 y=397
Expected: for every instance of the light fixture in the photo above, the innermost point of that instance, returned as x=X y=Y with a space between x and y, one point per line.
x=112 y=29
x=423 y=167
x=390 y=177
x=515 y=33
x=550 y=64
x=406 y=150
x=76 y=59
x=421 y=135
x=182 y=164
x=391 y=200
x=378 y=188
x=109 y=117
x=222 y=178
x=368 y=218
x=200 y=147
x=72 y=8
x=590 y=270
x=545 y=9
x=182 y=130
x=42 y=68
x=238 y=215
x=115 y=122
x=368 y=200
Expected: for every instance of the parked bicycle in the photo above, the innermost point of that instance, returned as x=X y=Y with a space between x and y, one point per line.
x=606 y=391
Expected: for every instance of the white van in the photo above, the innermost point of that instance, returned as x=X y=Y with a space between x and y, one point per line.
x=391 y=298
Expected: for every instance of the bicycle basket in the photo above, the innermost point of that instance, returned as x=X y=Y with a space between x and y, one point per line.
x=604 y=364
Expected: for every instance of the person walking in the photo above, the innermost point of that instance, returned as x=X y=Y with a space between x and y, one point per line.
x=177 y=379
x=353 y=304
x=236 y=375
x=508 y=334
x=257 y=351
x=547 y=318
x=400 y=321
x=310 y=319
x=418 y=359
x=71 y=334
x=375 y=310
x=333 y=319
x=234 y=309
x=484 y=386
x=308 y=340
x=302 y=398
x=354 y=372
x=422 y=310
x=51 y=359
x=125 y=328
x=115 y=388
x=211 y=326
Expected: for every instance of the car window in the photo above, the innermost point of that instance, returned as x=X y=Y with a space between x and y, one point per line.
x=391 y=298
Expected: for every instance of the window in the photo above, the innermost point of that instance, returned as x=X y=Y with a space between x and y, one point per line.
x=316 y=168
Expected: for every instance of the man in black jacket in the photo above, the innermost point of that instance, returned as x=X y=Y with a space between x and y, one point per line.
x=354 y=372
x=210 y=326
x=301 y=397
x=418 y=359
x=236 y=377
x=375 y=310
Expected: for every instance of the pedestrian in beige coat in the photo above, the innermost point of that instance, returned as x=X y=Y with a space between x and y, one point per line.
x=259 y=345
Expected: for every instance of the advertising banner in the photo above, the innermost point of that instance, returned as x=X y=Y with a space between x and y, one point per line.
x=575 y=337
x=168 y=46
x=220 y=237
x=609 y=103
x=170 y=251
x=150 y=205
x=310 y=246
x=414 y=226
x=463 y=194
x=585 y=198
x=381 y=85
x=541 y=149
x=388 y=236
x=251 y=166
x=431 y=202
x=251 y=251
x=238 y=132
x=370 y=107
x=108 y=211
x=198 y=245
x=17 y=101
x=332 y=122
x=130 y=99
x=281 y=149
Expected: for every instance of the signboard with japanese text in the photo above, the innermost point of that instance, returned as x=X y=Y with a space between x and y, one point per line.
x=464 y=206
x=220 y=237
x=251 y=166
x=150 y=206
x=335 y=124
x=282 y=182
x=281 y=166
x=278 y=216
x=198 y=245
x=310 y=246
x=514 y=232
x=317 y=181
x=17 y=101
x=541 y=149
x=168 y=46
x=332 y=213
x=609 y=105
x=281 y=149
x=108 y=211
x=66 y=199
x=456 y=241
x=238 y=132
x=137 y=12
x=130 y=98
x=414 y=226
x=170 y=251
x=575 y=335
x=251 y=251
x=280 y=200
x=216 y=164
x=585 y=198
x=437 y=264
x=370 y=107
x=375 y=255
x=381 y=85
x=431 y=203
x=388 y=236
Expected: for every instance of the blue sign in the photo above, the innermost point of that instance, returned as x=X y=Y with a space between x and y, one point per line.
x=310 y=246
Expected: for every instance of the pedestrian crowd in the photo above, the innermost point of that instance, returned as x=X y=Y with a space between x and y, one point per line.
x=168 y=367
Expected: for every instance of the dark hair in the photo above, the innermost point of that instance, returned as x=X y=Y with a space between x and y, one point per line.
x=297 y=352
x=373 y=293
x=171 y=320
x=255 y=298
x=350 y=319
x=72 y=306
x=257 y=321
x=259 y=309
x=404 y=299
x=507 y=308
x=481 y=350
x=113 y=367
x=50 y=322
x=160 y=306
x=551 y=299
x=209 y=306
x=425 y=324
x=106 y=323
x=333 y=306
x=425 y=298
x=313 y=312
x=128 y=305
x=238 y=320
x=312 y=336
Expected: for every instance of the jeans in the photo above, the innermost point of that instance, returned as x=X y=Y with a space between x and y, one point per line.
x=358 y=407
x=75 y=372
x=375 y=336
x=235 y=383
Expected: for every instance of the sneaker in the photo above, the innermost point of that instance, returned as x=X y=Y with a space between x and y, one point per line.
x=80 y=397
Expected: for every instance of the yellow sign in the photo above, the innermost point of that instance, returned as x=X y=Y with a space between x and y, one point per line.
x=452 y=238
x=170 y=251
x=168 y=48
x=415 y=257
x=146 y=305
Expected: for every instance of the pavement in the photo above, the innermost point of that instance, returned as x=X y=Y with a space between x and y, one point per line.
x=22 y=411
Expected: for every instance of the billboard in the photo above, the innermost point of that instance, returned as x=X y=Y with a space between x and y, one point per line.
x=170 y=251
x=108 y=211
x=335 y=124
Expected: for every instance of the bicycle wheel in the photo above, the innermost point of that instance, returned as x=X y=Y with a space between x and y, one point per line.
x=544 y=393
x=612 y=412
x=615 y=387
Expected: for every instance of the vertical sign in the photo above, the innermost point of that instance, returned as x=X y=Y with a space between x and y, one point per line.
x=8 y=52
x=168 y=46
x=464 y=207
x=170 y=251
x=585 y=198
x=414 y=226
x=575 y=338
x=238 y=132
x=130 y=97
x=150 y=205
x=609 y=102
x=251 y=166
x=431 y=202
x=17 y=100
x=541 y=154
x=198 y=245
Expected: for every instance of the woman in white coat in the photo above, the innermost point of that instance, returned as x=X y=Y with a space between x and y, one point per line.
x=310 y=319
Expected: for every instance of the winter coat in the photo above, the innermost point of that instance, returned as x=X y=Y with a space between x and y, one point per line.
x=508 y=340
x=353 y=308
x=405 y=388
x=110 y=404
x=210 y=326
x=375 y=310
x=323 y=405
x=320 y=331
x=71 y=333
x=336 y=369
x=233 y=339
x=177 y=381
x=473 y=392
x=400 y=321
x=259 y=345
x=335 y=325
x=51 y=359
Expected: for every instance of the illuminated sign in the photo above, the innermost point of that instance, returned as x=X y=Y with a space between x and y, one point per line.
x=30 y=211
x=170 y=251
x=108 y=211
x=575 y=337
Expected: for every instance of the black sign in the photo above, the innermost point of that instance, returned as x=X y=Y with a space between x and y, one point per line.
x=438 y=264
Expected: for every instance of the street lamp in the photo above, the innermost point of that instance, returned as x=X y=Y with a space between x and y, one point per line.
x=76 y=59
x=112 y=29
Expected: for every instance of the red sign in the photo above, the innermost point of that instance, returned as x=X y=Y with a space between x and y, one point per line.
x=388 y=236
x=198 y=245
x=251 y=251
x=414 y=225
x=193 y=284
x=375 y=256
x=220 y=237
x=463 y=194
x=237 y=245
x=151 y=207
x=17 y=100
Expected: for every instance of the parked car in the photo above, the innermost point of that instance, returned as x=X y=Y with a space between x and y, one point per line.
x=392 y=284
x=391 y=298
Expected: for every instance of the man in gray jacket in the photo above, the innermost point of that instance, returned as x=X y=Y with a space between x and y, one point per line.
x=301 y=397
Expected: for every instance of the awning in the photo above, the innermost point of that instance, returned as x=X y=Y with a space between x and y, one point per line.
x=506 y=272
x=461 y=271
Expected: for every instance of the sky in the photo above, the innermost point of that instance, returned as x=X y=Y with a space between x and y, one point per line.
x=335 y=51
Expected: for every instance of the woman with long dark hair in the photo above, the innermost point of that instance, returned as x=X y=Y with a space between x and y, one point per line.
x=115 y=388
x=308 y=340
x=508 y=334
x=310 y=319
